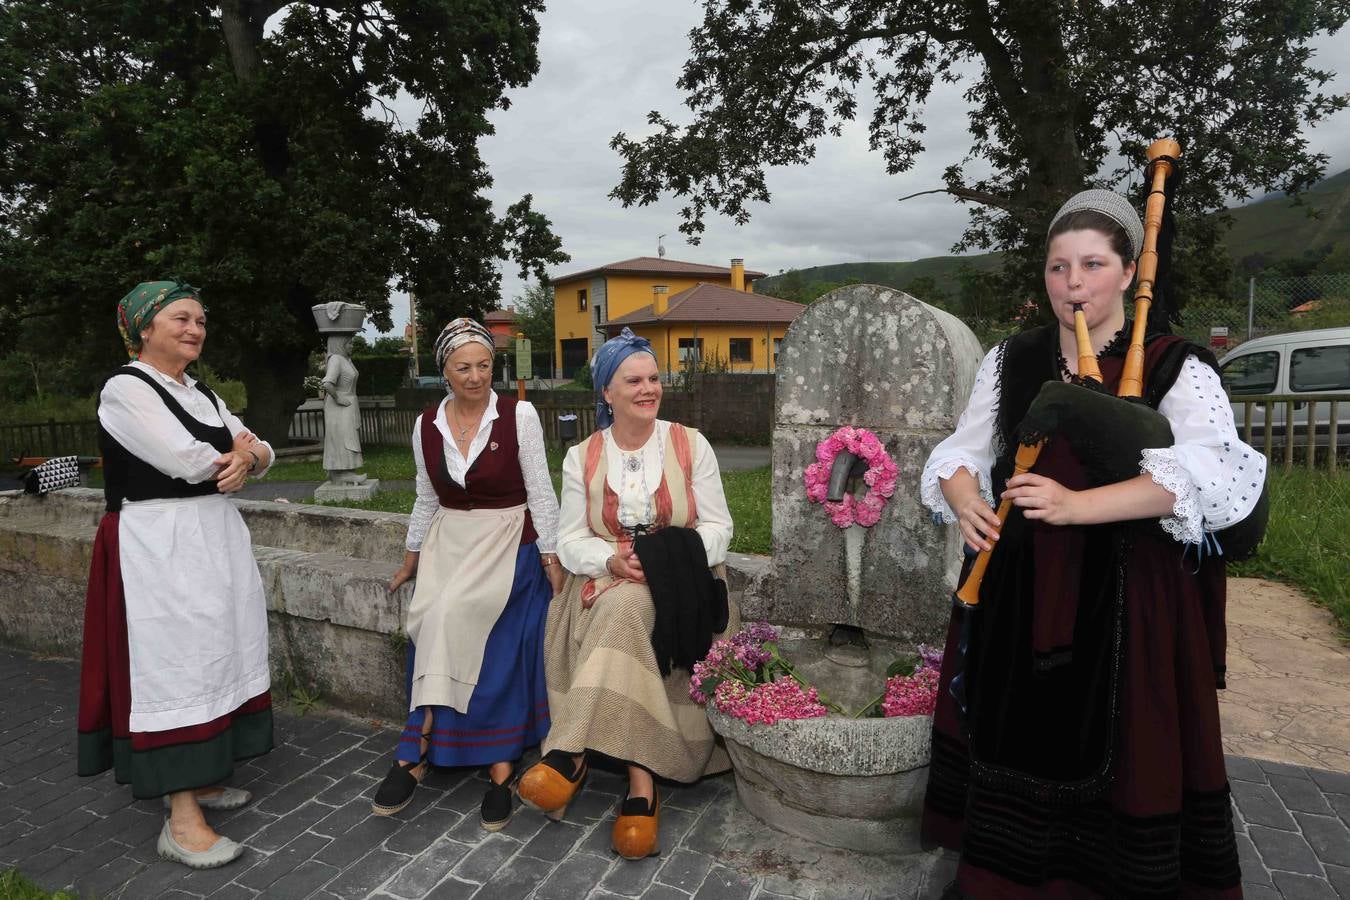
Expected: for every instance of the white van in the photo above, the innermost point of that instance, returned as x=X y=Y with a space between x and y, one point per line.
x=1298 y=362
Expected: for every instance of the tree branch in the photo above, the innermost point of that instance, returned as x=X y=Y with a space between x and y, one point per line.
x=963 y=193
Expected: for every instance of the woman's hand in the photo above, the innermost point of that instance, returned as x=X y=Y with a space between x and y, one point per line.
x=405 y=571
x=245 y=440
x=234 y=469
x=1046 y=500
x=979 y=522
x=556 y=577
x=626 y=565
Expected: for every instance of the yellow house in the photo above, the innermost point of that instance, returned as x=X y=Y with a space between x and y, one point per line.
x=584 y=303
x=735 y=331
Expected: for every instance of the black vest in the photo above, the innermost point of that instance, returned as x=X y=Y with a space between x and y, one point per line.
x=127 y=477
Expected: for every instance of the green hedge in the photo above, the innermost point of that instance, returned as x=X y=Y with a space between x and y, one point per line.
x=379 y=374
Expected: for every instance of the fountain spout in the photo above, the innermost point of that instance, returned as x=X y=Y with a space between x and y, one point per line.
x=847 y=466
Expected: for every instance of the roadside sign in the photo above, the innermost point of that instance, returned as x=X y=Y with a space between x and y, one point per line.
x=524 y=363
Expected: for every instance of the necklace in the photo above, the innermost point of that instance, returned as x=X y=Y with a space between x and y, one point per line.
x=463 y=429
x=1113 y=347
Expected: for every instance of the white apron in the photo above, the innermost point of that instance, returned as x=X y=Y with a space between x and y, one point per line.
x=196 y=612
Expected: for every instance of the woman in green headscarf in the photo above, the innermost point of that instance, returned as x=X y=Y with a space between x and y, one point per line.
x=174 y=685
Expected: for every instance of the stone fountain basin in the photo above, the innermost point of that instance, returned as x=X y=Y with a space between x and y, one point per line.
x=851 y=783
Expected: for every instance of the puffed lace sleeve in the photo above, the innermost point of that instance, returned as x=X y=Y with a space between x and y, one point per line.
x=970 y=446
x=1215 y=477
x=424 y=507
x=539 y=496
x=714 y=517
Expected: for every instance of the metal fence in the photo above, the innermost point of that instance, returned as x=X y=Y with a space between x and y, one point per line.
x=1269 y=304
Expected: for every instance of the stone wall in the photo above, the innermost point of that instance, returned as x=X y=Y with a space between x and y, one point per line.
x=334 y=626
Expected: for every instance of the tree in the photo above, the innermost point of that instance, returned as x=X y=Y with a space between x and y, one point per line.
x=534 y=315
x=1063 y=93
x=248 y=147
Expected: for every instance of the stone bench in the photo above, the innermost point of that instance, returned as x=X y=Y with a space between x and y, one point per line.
x=334 y=626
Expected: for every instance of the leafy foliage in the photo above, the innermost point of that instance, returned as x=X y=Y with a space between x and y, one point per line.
x=534 y=314
x=139 y=140
x=1062 y=94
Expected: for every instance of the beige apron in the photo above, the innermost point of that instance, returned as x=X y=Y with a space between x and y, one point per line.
x=464 y=578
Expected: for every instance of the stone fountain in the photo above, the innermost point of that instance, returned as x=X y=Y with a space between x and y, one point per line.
x=855 y=598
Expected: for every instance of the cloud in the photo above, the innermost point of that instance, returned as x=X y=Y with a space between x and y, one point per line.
x=605 y=63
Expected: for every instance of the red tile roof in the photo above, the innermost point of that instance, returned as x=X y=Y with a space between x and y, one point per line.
x=714 y=303
x=500 y=315
x=652 y=265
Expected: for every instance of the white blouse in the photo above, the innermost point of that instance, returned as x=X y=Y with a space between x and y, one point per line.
x=1215 y=477
x=539 y=496
x=137 y=419
x=635 y=476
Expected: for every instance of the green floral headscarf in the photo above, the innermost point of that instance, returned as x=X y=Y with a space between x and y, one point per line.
x=136 y=309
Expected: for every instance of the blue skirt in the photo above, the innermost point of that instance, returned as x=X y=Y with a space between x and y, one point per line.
x=508 y=710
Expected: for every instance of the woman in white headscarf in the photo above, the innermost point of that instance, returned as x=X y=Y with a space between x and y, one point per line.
x=480 y=543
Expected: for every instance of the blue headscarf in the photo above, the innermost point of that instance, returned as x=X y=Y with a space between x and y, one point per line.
x=606 y=362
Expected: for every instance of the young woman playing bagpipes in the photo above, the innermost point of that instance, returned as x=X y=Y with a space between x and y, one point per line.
x=1078 y=753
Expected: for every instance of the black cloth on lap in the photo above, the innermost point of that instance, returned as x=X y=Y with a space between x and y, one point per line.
x=690 y=603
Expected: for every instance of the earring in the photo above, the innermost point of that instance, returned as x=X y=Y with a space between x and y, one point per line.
x=609 y=408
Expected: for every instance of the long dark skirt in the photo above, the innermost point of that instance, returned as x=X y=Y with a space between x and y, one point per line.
x=508 y=710
x=155 y=762
x=1090 y=763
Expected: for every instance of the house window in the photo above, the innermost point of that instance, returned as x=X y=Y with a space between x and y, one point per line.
x=691 y=350
x=777 y=345
x=599 y=311
x=740 y=350
x=581 y=300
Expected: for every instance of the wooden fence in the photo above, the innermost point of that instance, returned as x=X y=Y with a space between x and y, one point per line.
x=1310 y=421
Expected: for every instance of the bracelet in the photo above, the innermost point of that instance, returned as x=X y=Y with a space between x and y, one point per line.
x=257 y=461
x=548 y=559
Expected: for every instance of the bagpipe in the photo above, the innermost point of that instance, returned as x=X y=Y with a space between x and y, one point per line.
x=1120 y=427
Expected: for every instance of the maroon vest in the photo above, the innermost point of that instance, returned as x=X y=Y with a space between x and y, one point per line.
x=494 y=480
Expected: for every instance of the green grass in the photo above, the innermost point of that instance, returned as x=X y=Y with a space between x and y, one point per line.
x=14 y=886
x=749 y=497
x=385 y=462
x=1308 y=540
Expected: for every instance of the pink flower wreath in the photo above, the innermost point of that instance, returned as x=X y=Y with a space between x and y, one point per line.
x=880 y=477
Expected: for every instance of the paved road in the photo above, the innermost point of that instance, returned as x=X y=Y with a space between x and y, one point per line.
x=309 y=831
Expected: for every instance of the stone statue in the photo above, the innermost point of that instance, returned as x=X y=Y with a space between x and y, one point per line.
x=341 y=414
x=339 y=322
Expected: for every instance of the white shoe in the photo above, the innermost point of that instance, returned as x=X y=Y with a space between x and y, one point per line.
x=218 y=854
x=228 y=798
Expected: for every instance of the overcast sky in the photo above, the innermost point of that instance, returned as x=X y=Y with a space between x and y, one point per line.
x=605 y=63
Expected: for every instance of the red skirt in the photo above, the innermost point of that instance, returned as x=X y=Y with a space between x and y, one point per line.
x=153 y=762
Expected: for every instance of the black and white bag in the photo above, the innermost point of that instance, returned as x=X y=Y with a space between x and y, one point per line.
x=52 y=475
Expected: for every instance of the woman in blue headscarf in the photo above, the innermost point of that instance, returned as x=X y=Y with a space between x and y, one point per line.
x=636 y=474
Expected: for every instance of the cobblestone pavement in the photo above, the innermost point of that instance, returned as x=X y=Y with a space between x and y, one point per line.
x=309 y=832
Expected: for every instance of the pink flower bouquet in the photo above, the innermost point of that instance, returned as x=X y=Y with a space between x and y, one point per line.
x=747 y=677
